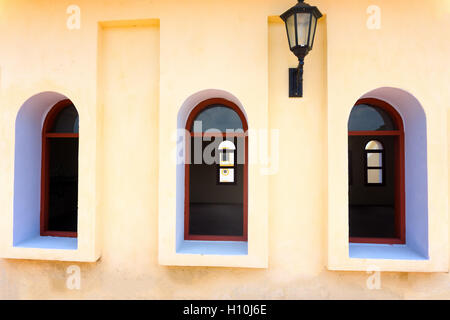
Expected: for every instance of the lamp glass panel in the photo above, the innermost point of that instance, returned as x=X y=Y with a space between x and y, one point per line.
x=290 y=24
x=313 y=30
x=303 y=24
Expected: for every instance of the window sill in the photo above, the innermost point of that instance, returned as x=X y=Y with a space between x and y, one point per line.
x=51 y=249
x=225 y=254
x=57 y=243
x=384 y=252
x=222 y=248
x=386 y=258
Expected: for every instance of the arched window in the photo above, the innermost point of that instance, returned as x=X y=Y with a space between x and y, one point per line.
x=216 y=173
x=376 y=162
x=59 y=186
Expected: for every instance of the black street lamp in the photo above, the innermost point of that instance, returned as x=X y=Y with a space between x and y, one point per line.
x=301 y=23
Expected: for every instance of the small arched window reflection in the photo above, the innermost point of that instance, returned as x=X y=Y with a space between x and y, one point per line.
x=374 y=162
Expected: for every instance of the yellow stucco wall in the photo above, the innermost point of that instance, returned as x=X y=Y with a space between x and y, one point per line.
x=129 y=69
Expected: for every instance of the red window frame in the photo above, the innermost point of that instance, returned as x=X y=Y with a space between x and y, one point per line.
x=400 y=220
x=193 y=115
x=45 y=172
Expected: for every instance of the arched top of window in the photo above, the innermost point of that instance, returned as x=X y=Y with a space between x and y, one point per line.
x=370 y=118
x=66 y=120
x=217 y=117
x=374 y=145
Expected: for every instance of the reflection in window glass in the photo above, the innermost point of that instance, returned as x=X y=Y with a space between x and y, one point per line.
x=375 y=166
x=375 y=176
x=217 y=117
x=369 y=118
x=67 y=121
x=225 y=156
x=374 y=159
x=374 y=145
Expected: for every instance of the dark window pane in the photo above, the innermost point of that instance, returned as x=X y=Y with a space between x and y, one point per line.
x=63 y=184
x=372 y=222
x=369 y=118
x=217 y=117
x=372 y=202
x=216 y=219
x=67 y=121
x=215 y=209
